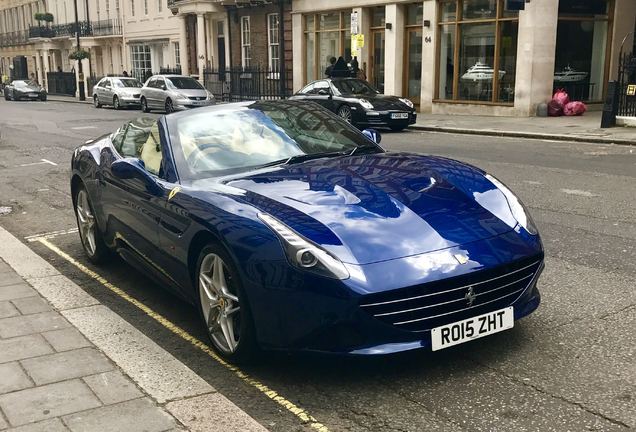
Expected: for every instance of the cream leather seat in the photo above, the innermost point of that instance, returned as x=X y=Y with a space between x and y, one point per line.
x=151 y=151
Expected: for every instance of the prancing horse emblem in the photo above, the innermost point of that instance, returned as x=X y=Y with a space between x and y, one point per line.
x=470 y=296
x=461 y=258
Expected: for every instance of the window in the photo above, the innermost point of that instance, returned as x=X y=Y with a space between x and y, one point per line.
x=140 y=59
x=159 y=6
x=177 y=54
x=145 y=7
x=273 y=43
x=107 y=9
x=246 y=49
x=132 y=7
x=327 y=35
x=97 y=9
x=116 y=8
x=477 y=51
x=581 y=46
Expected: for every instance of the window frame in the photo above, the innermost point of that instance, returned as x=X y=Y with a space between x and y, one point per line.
x=273 y=44
x=344 y=26
x=498 y=19
x=246 y=46
x=132 y=8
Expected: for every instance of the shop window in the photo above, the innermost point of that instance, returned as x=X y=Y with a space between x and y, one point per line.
x=413 y=41
x=378 y=17
x=327 y=35
x=477 y=51
x=582 y=40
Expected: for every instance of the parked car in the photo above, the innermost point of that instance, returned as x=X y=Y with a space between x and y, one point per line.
x=289 y=229
x=117 y=91
x=357 y=102
x=24 y=89
x=174 y=93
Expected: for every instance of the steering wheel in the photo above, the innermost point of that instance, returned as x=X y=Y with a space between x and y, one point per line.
x=200 y=153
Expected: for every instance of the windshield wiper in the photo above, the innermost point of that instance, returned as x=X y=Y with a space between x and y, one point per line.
x=301 y=158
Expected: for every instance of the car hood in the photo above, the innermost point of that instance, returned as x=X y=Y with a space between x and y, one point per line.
x=28 y=89
x=384 y=103
x=378 y=207
x=191 y=92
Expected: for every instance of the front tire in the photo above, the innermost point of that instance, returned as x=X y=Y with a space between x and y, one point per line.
x=96 y=102
x=223 y=305
x=169 y=106
x=43 y=98
x=144 y=105
x=116 y=103
x=92 y=240
x=397 y=128
x=345 y=113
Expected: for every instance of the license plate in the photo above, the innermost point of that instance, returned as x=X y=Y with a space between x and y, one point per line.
x=472 y=328
x=34 y=96
x=397 y=116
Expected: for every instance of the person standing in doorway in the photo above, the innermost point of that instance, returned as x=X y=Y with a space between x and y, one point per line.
x=329 y=70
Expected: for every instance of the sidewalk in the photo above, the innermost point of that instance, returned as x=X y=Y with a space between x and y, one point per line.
x=585 y=128
x=71 y=364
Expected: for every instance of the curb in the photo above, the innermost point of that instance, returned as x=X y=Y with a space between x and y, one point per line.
x=68 y=100
x=171 y=385
x=527 y=135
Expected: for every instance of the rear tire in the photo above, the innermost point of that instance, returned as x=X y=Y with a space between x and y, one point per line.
x=92 y=241
x=144 y=105
x=96 y=102
x=223 y=306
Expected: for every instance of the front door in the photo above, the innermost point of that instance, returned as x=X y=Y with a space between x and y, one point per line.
x=376 y=75
x=413 y=81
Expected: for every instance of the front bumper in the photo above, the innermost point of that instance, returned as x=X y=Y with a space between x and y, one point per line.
x=129 y=101
x=181 y=105
x=302 y=312
x=383 y=118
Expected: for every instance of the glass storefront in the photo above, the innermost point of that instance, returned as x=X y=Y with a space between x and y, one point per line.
x=582 y=41
x=327 y=35
x=480 y=38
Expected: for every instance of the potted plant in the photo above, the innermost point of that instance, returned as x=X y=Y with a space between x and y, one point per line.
x=48 y=18
x=79 y=55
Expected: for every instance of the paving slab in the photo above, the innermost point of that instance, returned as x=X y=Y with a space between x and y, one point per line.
x=7 y=309
x=10 y=278
x=212 y=413
x=139 y=415
x=23 y=347
x=66 y=365
x=61 y=292
x=53 y=400
x=29 y=324
x=160 y=374
x=13 y=378
x=66 y=339
x=52 y=425
x=113 y=387
x=15 y=290
x=31 y=305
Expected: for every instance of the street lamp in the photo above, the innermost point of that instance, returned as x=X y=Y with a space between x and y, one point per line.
x=80 y=72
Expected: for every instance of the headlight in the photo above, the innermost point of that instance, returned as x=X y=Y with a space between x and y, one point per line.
x=181 y=96
x=407 y=102
x=304 y=254
x=519 y=212
x=366 y=104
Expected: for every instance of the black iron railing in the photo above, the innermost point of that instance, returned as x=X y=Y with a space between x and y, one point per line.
x=170 y=71
x=14 y=38
x=243 y=84
x=61 y=83
x=627 y=78
x=86 y=28
x=41 y=32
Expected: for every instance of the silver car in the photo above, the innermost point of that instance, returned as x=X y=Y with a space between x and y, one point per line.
x=174 y=93
x=117 y=91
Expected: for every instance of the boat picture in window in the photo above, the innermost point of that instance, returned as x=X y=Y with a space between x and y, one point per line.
x=481 y=72
x=569 y=74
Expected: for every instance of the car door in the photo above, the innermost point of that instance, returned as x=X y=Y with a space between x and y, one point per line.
x=132 y=204
x=323 y=94
x=107 y=92
x=148 y=90
x=160 y=93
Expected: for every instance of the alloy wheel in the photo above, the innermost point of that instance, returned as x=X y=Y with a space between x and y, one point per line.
x=220 y=306
x=116 y=102
x=345 y=112
x=86 y=221
x=96 y=102
x=169 y=107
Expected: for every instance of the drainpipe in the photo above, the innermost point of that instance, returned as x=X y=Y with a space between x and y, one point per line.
x=281 y=44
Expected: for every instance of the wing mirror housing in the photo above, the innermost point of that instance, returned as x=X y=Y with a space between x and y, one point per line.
x=134 y=168
x=373 y=135
x=323 y=92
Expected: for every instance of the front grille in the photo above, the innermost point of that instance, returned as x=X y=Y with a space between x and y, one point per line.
x=197 y=98
x=136 y=96
x=422 y=307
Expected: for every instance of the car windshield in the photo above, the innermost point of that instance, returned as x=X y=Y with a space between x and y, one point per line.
x=226 y=141
x=354 y=86
x=127 y=82
x=184 y=83
x=25 y=84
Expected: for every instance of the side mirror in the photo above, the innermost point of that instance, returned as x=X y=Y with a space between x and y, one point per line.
x=373 y=135
x=133 y=168
x=163 y=87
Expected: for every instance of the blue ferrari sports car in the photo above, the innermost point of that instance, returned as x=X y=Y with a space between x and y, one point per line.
x=289 y=229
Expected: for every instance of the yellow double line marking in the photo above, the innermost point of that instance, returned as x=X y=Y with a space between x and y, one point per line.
x=303 y=415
